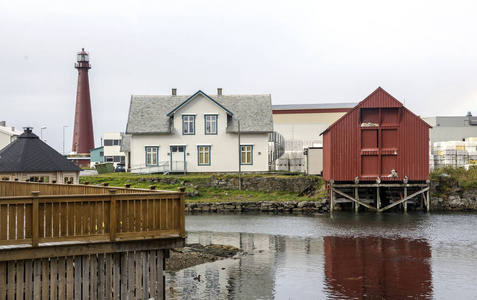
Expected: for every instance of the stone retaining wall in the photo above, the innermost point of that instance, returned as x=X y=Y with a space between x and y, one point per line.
x=265 y=206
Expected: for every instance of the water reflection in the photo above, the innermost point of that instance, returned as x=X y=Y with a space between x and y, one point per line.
x=338 y=256
x=377 y=268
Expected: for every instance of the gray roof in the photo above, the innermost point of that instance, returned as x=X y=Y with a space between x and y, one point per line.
x=149 y=114
x=315 y=106
x=125 y=143
x=29 y=154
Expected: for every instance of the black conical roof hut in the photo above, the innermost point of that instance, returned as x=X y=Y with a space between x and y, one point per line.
x=30 y=154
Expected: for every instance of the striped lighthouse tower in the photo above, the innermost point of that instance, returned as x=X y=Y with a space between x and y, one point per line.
x=83 y=139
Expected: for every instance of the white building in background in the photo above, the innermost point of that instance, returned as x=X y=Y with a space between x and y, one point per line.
x=301 y=126
x=7 y=134
x=112 y=148
x=199 y=133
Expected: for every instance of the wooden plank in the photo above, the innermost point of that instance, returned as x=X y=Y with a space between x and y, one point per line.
x=124 y=273
x=85 y=215
x=404 y=199
x=3 y=222
x=41 y=220
x=144 y=215
x=77 y=277
x=94 y=276
x=138 y=274
x=28 y=219
x=79 y=218
x=152 y=274
x=54 y=278
x=131 y=285
x=101 y=275
x=109 y=276
x=20 y=279
x=62 y=278
x=112 y=218
x=28 y=279
x=86 y=276
x=161 y=292
x=116 y=271
x=3 y=280
x=56 y=219
x=37 y=278
x=20 y=221
x=45 y=281
x=12 y=214
x=70 y=219
x=63 y=219
x=11 y=280
x=145 y=275
x=49 y=220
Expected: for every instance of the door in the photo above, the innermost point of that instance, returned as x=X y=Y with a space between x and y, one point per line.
x=178 y=158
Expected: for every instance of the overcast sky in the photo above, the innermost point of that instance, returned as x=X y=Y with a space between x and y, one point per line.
x=424 y=53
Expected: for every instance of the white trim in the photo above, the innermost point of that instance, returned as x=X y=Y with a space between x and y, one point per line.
x=201 y=145
x=189 y=114
x=247 y=144
x=208 y=114
x=173 y=145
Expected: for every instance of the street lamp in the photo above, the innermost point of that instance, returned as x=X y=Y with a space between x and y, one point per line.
x=41 y=132
x=64 y=126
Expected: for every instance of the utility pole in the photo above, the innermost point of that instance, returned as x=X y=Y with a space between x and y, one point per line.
x=240 y=157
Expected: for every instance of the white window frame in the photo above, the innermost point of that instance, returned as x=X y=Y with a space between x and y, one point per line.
x=152 y=155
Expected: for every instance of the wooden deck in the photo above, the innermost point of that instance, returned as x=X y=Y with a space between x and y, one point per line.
x=43 y=226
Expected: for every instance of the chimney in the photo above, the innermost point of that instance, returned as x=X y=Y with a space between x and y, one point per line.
x=174 y=92
x=219 y=91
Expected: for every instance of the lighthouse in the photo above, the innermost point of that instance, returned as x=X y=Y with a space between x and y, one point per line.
x=83 y=138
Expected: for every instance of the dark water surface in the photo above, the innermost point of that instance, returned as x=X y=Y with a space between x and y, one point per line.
x=338 y=256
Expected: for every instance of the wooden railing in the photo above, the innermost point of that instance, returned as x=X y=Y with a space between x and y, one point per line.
x=39 y=219
x=17 y=188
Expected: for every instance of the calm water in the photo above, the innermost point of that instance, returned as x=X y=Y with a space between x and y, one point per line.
x=338 y=256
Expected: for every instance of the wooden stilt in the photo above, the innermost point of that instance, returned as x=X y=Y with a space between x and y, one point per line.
x=356 y=195
x=428 y=199
x=405 y=195
x=332 y=204
x=378 y=199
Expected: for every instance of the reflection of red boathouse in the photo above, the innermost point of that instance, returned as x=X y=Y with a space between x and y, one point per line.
x=377 y=268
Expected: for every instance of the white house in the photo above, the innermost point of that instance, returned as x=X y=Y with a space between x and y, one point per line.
x=199 y=133
x=7 y=134
x=112 y=148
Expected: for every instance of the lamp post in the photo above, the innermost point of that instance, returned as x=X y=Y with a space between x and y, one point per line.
x=41 y=132
x=64 y=126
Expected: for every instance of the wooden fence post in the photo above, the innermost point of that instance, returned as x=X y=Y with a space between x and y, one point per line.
x=35 y=230
x=181 y=190
x=112 y=216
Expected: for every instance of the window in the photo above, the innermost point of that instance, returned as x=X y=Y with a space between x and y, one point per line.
x=151 y=156
x=109 y=159
x=204 y=155
x=246 y=155
x=210 y=124
x=188 y=124
x=101 y=154
x=112 y=142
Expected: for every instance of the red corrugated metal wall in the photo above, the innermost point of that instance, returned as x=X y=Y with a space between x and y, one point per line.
x=377 y=138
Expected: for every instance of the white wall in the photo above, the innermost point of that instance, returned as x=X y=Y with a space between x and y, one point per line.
x=224 y=146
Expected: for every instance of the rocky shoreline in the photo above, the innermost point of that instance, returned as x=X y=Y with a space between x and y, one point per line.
x=197 y=254
x=466 y=201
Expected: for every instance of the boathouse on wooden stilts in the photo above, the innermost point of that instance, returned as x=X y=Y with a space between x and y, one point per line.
x=377 y=156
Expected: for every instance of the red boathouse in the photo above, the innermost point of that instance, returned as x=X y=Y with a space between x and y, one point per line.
x=375 y=153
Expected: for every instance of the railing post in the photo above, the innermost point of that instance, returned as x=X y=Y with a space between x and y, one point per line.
x=112 y=216
x=35 y=230
x=181 y=191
